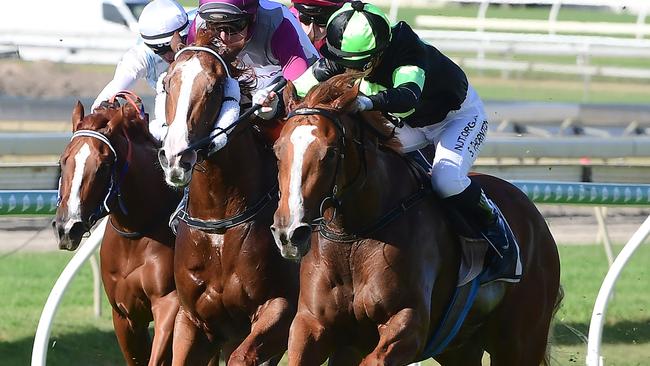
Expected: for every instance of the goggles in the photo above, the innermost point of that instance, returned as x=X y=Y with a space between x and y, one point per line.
x=230 y=27
x=318 y=19
x=319 y=15
x=160 y=49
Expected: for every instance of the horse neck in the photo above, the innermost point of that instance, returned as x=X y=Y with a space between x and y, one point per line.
x=369 y=196
x=143 y=191
x=235 y=177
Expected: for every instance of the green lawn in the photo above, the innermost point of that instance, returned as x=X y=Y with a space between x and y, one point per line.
x=80 y=339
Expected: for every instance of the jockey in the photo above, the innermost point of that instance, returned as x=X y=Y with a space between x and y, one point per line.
x=412 y=80
x=151 y=56
x=267 y=36
x=313 y=16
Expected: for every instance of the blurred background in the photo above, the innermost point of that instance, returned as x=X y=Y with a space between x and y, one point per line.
x=566 y=85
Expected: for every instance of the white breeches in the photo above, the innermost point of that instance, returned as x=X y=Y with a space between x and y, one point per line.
x=458 y=140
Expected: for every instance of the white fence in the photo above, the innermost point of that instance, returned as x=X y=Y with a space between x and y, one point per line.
x=497 y=41
x=107 y=49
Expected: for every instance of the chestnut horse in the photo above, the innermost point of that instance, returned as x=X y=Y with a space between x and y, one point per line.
x=238 y=295
x=377 y=276
x=110 y=165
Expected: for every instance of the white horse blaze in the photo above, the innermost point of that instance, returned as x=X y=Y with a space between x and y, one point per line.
x=177 y=138
x=74 y=201
x=301 y=138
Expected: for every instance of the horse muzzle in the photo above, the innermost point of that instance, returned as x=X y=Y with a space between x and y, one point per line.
x=294 y=243
x=69 y=234
x=178 y=170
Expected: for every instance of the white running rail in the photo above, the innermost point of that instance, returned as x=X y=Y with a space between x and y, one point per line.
x=598 y=315
x=42 y=338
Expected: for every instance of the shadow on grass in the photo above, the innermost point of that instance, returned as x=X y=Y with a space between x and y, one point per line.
x=626 y=332
x=91 y=347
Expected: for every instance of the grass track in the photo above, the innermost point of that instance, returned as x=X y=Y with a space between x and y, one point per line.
x=79 y=339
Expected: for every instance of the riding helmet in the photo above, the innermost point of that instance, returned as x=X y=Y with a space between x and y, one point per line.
x=355 y=33
x=160 y=19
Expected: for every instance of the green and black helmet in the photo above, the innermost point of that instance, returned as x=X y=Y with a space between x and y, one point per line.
x=355 y=33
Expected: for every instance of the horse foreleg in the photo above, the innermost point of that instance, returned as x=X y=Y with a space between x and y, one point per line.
x=400 y=340
x=191 y=346
x=133 y=340
x=310 y=341
x=268 y=335
x=164 y=312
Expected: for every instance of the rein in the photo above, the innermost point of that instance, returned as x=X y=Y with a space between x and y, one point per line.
x=205 y=141
x=320 y=223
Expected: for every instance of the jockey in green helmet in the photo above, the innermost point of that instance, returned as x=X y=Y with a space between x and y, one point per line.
x=413 y=81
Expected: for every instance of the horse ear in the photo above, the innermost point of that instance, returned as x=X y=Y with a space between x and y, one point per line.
x=344 y=102
x=177 y=42
x=77 y=116
x=115 y=122
x=290 y=96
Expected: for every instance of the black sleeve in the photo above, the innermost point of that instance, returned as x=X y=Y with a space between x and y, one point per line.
x=399 y=99
x=324 y=69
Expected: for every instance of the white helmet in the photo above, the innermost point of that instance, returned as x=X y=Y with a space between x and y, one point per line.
x=160 y=19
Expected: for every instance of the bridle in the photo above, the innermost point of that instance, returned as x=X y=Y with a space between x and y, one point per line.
x=229 y=130
x=114 y=188
x=219 y=226
x=115 y=182
x=337 y=196
x=204 y=142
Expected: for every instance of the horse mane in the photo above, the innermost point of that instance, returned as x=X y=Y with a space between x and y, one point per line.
x=129 y=123
x=325 y=93
x=244 y=74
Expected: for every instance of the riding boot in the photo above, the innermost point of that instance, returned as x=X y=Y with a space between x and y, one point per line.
x=474 y=216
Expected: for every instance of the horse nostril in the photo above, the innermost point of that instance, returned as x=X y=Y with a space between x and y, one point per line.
x=301 y=234
x=163 y=159
x=186 y=165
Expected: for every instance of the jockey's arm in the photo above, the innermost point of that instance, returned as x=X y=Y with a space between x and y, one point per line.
x=131 y=68
x=408 y=82
x=320 y=71
x=289 y=50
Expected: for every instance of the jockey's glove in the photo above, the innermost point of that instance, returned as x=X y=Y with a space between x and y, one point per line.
x=218 y=141
x=362 y=103
x=269 y=102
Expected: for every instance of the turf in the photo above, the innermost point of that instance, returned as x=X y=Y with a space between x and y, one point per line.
x=78 y=338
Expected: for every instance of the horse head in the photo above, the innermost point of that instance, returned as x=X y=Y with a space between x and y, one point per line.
x=195 y=85
x=90 y=167
x=312 y=168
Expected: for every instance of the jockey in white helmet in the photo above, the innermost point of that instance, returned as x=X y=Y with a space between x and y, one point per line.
x=151 y=56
